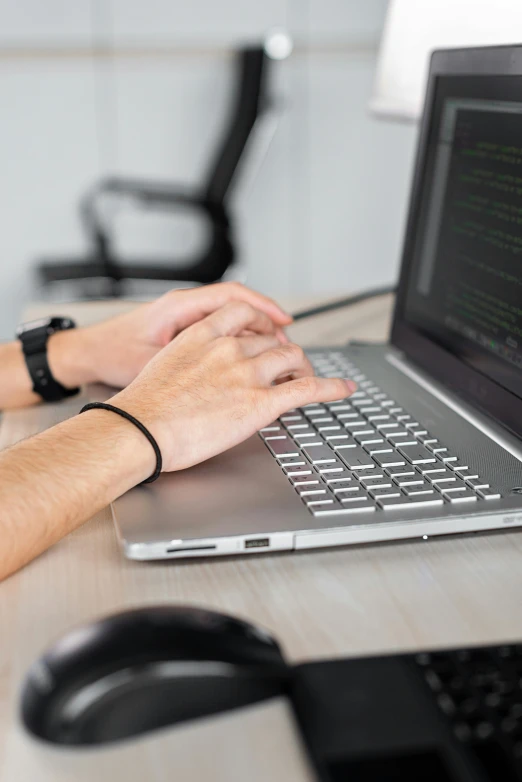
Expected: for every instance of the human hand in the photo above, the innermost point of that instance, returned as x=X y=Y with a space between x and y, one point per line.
x=115 y=351
x=217 y=383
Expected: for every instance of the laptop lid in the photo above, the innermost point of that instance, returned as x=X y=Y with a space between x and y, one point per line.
x=459 y=305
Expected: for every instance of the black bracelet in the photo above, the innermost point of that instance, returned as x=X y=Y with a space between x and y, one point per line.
x=143 y=429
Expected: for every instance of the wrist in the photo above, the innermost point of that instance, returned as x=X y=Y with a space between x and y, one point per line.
x=120 y=443
x=71 y=358
x=132 y=403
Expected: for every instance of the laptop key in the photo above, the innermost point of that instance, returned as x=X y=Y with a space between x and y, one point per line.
x=442 y=477
x=311 y=491
x=304 y=436
x=350 y=488
x=356 y=458
x=409 y=503
x=447 y=457
x=466 y=474
x=392 y=459
x=356 y=427
x=371 y=481
x=400 y=438
x=432 y=469
x=381 y=491
x=303 y=479
x=335 y=482
x=344 y=510
x=465 y=496
x=489 y=494
x=275 y=428
x=378 y=448
x=319 y=454
x=282 y=446
x=425 y=439
x=369 y=439
x=409 y=480
x=404 y=470
x=455 y=486
x=418 y=490
x=312 y=504
x=354 y=499
x=361 y=402
x=416 y=454
x=476 y=483
x=330 y=468
x=297 y=469
x=458 y=465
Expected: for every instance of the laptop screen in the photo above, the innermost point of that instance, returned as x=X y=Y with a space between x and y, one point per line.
x=464 y=287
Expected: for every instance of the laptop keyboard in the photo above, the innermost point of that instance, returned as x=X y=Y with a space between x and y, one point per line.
x=479 y=692
x=367 y=453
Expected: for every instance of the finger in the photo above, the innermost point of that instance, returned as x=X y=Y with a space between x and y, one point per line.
x=305 y=390
x=282 y=336
x=232 y=319
x=282 y=361
x=185 y=308
x=254 y=345
x=234 y=291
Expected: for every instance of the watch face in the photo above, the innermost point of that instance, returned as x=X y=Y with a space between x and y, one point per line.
x=33 y=324
x=50 y=324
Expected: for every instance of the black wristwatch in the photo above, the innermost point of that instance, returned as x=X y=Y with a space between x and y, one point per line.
x=34 y=336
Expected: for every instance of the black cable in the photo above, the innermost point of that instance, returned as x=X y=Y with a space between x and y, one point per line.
x=350 y=301
x=143 y=429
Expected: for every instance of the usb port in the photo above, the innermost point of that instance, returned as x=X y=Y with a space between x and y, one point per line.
x=257 y=543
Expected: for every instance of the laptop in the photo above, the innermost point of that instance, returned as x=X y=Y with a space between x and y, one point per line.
x=431 y=442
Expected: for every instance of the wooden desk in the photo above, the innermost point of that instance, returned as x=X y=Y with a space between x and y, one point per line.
x=318 y=604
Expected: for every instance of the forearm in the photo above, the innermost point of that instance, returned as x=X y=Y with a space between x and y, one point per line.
x=52 y=483
x=70 y=361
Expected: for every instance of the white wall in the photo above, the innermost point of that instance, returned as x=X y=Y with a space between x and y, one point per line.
x=96 y=86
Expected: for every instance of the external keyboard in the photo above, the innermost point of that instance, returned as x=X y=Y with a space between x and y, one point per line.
x=366 y=453
x=479 y=691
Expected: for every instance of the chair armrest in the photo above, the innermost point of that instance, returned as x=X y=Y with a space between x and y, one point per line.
x=148 y=194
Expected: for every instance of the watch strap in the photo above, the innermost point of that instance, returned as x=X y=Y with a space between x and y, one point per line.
x=34 y=345
x=44 y=383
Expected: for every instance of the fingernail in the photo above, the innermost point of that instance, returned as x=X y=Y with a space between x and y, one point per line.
x=351 y=386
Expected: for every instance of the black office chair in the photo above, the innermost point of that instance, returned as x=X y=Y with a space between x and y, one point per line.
x=251 y=104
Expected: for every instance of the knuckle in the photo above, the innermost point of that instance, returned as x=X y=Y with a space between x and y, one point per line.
x=228 y=346
x=297 y=352
x=308 y=386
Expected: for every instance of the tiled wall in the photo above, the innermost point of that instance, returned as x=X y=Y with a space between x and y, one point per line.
x=127 y=86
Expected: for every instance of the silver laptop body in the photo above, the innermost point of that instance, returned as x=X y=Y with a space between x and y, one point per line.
x=431 y=443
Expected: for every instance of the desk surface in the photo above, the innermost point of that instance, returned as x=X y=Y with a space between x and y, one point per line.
x=318 y=604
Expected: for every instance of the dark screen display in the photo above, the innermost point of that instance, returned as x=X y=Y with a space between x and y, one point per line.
x=465 y=281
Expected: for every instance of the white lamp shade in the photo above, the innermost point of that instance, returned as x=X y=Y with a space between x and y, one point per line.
x=414 y=28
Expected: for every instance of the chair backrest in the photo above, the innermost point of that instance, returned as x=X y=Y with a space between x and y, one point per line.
x=249 y=102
